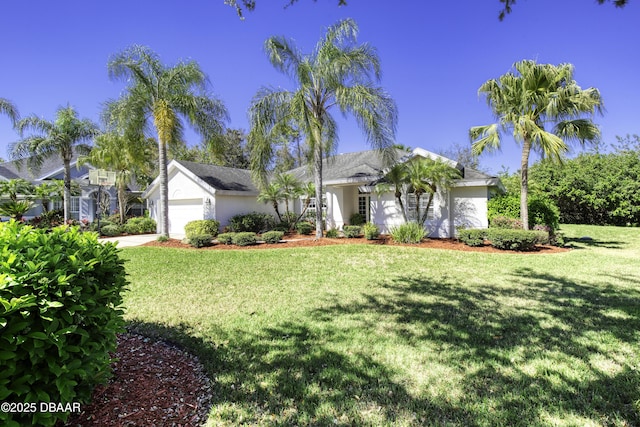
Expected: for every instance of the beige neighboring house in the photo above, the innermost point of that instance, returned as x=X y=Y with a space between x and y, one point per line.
x=200 y=191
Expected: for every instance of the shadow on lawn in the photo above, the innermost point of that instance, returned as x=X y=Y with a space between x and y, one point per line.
x=562 y=349
x=289 y=375
x=546 y=350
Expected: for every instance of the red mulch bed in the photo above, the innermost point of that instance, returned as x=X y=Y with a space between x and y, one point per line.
x=297 y=240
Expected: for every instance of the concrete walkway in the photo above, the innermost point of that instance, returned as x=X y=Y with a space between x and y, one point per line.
x=135 y=240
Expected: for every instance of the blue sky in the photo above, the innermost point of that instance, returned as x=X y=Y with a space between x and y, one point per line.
x=434 y=55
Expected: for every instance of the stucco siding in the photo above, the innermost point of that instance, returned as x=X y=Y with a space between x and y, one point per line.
x=228 y=206
x=470 y=207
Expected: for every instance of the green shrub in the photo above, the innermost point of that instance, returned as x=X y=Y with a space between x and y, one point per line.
x=200 y=240
x=357 y=219
x=162 y=238
x=245 y=238
x=333 y=233
x=371 y=231
x=515 y=240
x=501 y=221
x=110 y=230
x=226 y=238
x=304 y=227
x=542 y=210
x=200 y=227
x=255 y=222
x=60 y=293
x=410 y=232
x=140 y=225
x=272 y=236
x=472 y=236
x=351 y=231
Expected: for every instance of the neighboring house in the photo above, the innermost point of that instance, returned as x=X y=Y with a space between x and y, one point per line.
x=83 y=206
x=199 y=191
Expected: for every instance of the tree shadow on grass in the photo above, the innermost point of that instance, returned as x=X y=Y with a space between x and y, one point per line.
x=288 y=374
x=546 y=351
x=581 y=242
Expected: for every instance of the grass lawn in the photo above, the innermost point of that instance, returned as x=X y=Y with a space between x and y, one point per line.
x=383 y=335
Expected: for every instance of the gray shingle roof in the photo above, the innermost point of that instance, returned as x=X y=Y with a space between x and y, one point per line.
x=51 y=165
x=220 y=177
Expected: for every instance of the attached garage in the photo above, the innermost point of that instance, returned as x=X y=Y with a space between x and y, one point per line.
x=183 y=211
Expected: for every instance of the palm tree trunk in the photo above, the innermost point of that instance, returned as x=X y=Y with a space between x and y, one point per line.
x=164 y=186
x=524 y=183
x=67 y=189
x=122 y=200
x=317 y=171
x=398 y=195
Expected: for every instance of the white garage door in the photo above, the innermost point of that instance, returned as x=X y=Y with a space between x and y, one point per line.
x=183 y=211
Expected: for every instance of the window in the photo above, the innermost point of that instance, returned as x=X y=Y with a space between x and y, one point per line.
x=311 y=210
x=411 y=206
x=363 y=207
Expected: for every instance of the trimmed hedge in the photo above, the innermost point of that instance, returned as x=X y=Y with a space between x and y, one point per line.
x=332 y=234
x=272 y=236
x=351 y=231
x=255 y=222
x=110 y=230
x=472 y=236
x=245 y=238
x=515 y=240
x=200 y=240
x=370 y=231
x=226 y=238
x=140 y=225
x=304 y=227
x=200 y=227
x=60 y=292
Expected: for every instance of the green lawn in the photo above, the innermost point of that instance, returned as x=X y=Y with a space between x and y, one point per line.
x=381 y=335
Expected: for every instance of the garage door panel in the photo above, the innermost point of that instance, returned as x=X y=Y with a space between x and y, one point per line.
x=183 y=211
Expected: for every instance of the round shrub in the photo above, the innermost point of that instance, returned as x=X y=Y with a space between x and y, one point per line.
x=472 y=237
x=304 y=227
x=332 y=234
x=245 y=238
x=200 y=240
x=501 y=221
x=140 y=225
x=515 y=240
x=357 y=219
x=200 y=227
x=409 y=232
x=351 y=231
x=226 y=238
x=110 y=230
x=272 y=236
x=60 y=297
x=370 y=231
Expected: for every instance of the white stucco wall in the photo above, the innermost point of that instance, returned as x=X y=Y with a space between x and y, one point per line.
x=470 y=207
x=227 y=206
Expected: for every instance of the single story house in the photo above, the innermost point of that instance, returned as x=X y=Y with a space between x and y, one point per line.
x=200 y=191
x=83 y=206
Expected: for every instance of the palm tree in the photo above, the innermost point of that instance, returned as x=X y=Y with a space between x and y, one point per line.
x=291 y=189
x=64 y=137
x=164 y=96
x=395 y=179
x=272 y=193
x=427 y=176
x=129 y=159
x=8 y=109
x=338 y=74
x=526 y=103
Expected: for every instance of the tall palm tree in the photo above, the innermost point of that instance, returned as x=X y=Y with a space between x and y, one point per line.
x=65 y=136
x=9 y=109
x=338 y=74
x=529 y=101
x=129 y=159
x=165 y=97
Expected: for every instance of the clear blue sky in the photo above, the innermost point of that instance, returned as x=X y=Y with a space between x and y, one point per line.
x=434 y=54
